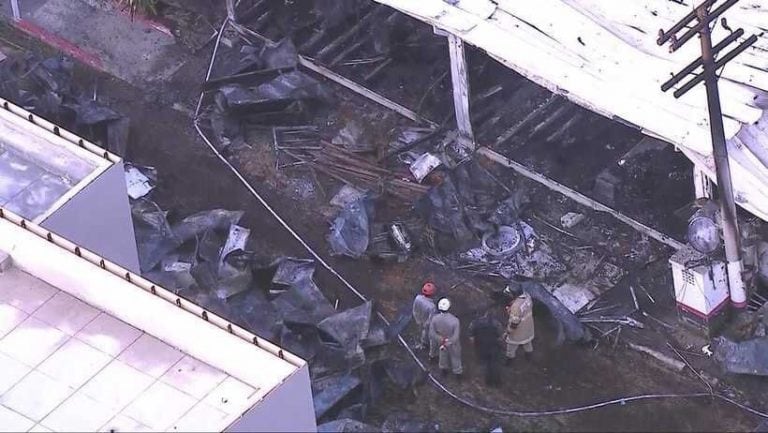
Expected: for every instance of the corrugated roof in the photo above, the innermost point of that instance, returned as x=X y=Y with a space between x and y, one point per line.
x=602 y=54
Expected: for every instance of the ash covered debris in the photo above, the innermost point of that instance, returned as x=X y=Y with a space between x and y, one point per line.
x=45 y=87
x=207 y=257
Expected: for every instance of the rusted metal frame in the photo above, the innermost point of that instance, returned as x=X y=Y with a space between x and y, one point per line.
x=579 y=197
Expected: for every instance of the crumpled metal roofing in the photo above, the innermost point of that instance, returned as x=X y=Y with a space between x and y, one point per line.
x=602 y=54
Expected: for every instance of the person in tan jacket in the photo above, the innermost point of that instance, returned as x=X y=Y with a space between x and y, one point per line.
x=520 y=330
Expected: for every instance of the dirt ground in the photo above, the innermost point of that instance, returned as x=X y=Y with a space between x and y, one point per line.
x=192 y=179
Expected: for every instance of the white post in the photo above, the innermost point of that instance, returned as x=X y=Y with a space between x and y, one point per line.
x=701 y=183
x=460 y=81
x=16 y=11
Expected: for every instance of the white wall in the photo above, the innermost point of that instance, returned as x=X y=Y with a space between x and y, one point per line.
x=287 y=408
x=99 y=219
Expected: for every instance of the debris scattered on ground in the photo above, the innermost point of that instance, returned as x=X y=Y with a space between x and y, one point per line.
x=423 y=165
x=674 y=364
x=346 y=195
x=353 y=138
x=744 y=357
x=139 y=180
x=571 y=219
x=345 y=425
x=44 y=87
x=330 y=390
x=403 y=422
x=350 y=231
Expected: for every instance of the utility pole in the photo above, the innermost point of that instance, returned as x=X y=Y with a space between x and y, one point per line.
x=701 y=18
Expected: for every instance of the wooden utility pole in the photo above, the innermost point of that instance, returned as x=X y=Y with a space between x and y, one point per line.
x=701 y=18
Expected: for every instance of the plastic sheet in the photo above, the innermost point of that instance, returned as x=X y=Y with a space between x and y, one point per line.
x=256 y=313
x=350 y=231
x=291 y=271
x=349 y=328
x=328 y=391
x=303 y=303
x=403 y=422
x=346 y=425
x=281 y=55
x=154 y=237
x=199 y=223
x=444 y=211
x=745 y=357
x=569 y=326
x=234 y=276
x=301 y=340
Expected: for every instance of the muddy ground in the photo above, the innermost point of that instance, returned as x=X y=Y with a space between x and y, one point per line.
x=192 y=179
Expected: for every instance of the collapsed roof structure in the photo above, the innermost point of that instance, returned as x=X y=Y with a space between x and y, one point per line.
x=603 y=55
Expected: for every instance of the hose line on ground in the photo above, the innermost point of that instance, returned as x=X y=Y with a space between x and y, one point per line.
x=494 y=411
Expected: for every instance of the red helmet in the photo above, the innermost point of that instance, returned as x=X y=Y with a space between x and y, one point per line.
x=428 y=289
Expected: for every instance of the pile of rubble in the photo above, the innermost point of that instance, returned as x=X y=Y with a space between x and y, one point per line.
x=205 y=257
x=44 y=87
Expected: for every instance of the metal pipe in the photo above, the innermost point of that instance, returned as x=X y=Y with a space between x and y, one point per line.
x=723 y=169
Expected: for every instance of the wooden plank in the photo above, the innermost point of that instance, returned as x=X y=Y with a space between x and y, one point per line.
x=511 y=132
x=460 y=81
x=579 y=197
x=364 y=91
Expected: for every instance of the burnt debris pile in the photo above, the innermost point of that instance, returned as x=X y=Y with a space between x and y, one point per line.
x=45 y=87
x=208 y=257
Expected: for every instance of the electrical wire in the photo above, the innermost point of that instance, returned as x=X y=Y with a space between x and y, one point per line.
x=439 y=385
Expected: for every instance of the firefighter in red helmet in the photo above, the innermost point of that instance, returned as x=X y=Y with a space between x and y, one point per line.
x=423 y=309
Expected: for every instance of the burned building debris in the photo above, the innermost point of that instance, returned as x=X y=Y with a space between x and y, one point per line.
x=403 y=190
x=45 y=87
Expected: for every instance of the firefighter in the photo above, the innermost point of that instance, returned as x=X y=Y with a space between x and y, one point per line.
x=519 y=326
x=423 y=309
x=444 y=332
x=486 y=334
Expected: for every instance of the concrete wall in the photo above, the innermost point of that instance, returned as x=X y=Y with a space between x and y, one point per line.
x=287 y=408
x=99 y=219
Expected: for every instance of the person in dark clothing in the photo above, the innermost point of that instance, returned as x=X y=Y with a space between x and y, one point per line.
x=486 y=332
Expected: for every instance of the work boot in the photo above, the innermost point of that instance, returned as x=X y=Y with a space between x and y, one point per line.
x=458 y=376
x=433 y=360
x=529 y=356
x=509 y=362
x=444 y=372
